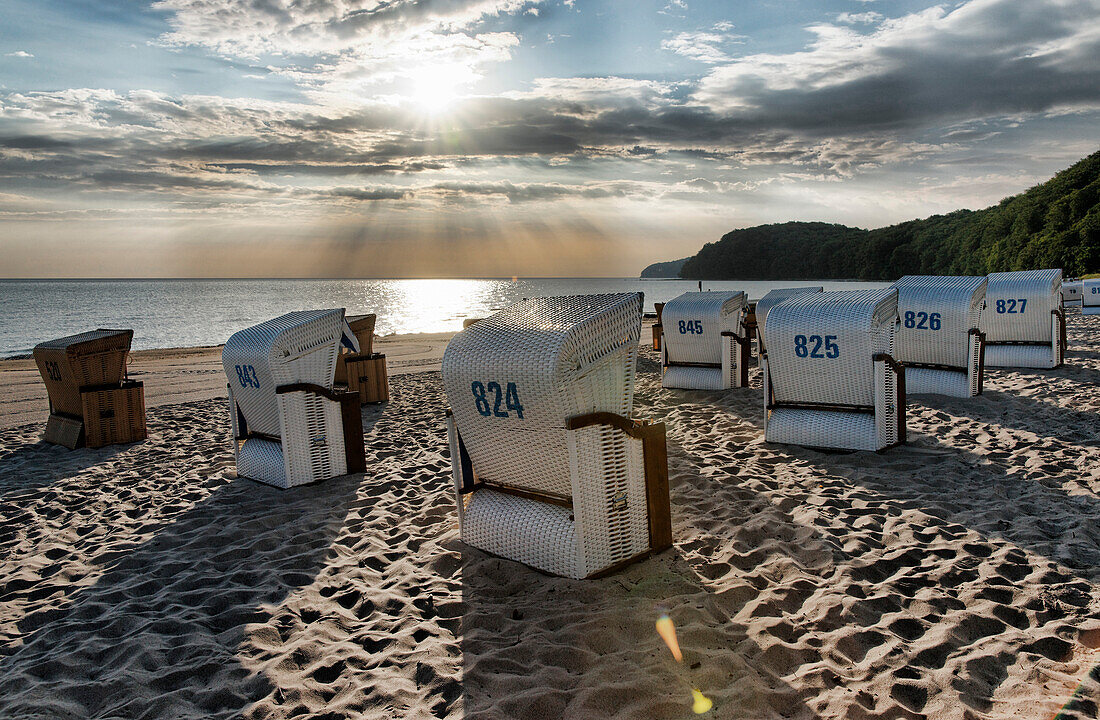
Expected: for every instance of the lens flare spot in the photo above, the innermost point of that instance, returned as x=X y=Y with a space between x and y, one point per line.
x=701 y=703
x=667 y=631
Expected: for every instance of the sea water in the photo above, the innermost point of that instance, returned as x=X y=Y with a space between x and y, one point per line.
x=189 y=313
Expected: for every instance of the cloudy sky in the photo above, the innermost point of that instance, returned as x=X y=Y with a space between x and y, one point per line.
x=381 y=138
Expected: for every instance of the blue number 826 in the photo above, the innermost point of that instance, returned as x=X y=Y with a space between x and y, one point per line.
x=811 y=346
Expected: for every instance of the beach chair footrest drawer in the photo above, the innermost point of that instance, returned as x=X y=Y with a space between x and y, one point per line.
x=367 y=376
x=114 y=415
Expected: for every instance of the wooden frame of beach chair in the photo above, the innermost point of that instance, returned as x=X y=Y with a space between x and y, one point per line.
x=362 y=326
x=766 y=303
x=92 y=402
x=1024 y=321
x=548 y=468
x=290 y=427
x=704 y=345
x=1090 y=297
x=830 y=377
x=939 y=341
x=363 y=372
x=657 y=327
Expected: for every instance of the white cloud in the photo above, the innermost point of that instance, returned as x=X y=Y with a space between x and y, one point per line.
x=865 y=18
x=983 y=57
x=348 y=46
x=19 y=54
x=707 y=46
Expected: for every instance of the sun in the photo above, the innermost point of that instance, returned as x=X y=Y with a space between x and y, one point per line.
x=435 y=89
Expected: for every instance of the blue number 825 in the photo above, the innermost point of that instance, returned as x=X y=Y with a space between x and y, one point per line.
x=811 y=346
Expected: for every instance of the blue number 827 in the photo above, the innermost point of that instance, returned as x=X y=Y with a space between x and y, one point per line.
x=811 y=346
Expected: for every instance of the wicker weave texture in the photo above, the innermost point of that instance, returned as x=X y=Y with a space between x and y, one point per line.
x=299 y=347
x=919 y=381
x=611 y=515
x=97 y=357
x=528 y=531
x=696 y=378
x=262 y=460
x=937 y=314
x=1090 y=297
x=849 y=431
x=694 y=323
x=563 y=356
x=1023 y=356
x=861 y=324
x=774 y=297
x=1007 y=319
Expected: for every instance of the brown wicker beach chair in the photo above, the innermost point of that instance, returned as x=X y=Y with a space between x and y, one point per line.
x=91 y=401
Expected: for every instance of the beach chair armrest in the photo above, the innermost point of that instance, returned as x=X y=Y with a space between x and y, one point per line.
x=899 y=371
x=655 y=458
x=324 y=392
x=350 y=416
x=893 y=364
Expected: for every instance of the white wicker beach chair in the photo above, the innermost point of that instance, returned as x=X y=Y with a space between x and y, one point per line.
x=1072 y=292
x=704 y=345
x=766 y=303
x=830 y=379
x=547 y=466
x=1024 y=322
x=289 y=426
x=1090 y=297
x=939 y=341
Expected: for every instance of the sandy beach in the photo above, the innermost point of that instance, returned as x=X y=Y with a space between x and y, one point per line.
x=955 y=577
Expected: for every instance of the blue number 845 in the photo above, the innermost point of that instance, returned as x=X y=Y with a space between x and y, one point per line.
x=694 y=327
x=811 y=346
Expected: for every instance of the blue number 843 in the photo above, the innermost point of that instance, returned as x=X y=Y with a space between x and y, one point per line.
x=811 y=346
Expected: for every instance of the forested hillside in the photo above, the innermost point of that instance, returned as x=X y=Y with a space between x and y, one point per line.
x=1056 y=224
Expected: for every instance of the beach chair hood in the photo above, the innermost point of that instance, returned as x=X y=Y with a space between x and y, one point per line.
x=820 y=345
x=514 y=378
x=1019 y=305
x=937 y=314
x=299 y=347
x=694 y=323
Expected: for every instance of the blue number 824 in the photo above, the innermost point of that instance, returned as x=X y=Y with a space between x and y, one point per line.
x=811 y=346
x=510 y=399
